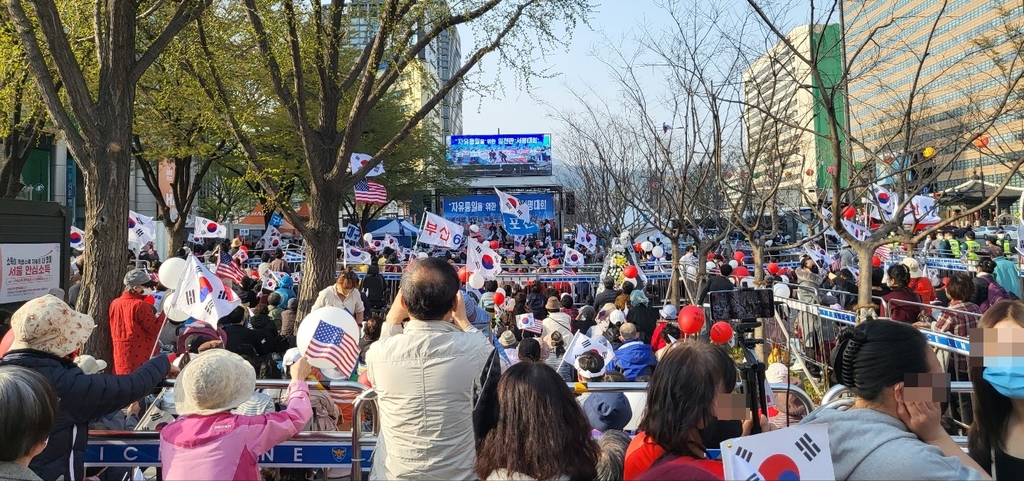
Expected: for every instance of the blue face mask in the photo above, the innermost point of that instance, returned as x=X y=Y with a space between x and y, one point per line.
x=1007 y=379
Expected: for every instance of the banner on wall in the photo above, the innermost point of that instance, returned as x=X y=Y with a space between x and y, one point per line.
x=484 y=209
x=29 y=271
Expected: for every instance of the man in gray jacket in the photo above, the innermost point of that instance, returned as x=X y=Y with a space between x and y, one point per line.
x=423 y=374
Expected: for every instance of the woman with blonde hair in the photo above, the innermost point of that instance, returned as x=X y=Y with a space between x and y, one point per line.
x=344 y=294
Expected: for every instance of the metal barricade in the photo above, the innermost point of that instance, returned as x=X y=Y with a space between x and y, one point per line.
x=306 y=449
x=368 y=399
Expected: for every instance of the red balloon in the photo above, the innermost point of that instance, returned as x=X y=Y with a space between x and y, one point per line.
x=739 y=256
x=638 y=247
x=876 y=261
x=5 y=344
x=721 y=332
x=773 y=268
x=495 y=244
x=691 y=320
x=630 y=272
x=463 y=274
x=499 y=298
x=849 y=212
x=741 y=271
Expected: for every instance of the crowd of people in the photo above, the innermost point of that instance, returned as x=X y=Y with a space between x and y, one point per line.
x=466 y=391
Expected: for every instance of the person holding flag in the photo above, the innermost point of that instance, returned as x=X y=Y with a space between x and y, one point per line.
x=516 y=215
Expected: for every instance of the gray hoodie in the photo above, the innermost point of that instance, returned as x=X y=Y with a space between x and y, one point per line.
x=870 y=445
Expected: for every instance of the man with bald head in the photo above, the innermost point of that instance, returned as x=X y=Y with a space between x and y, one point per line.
x=423 y=374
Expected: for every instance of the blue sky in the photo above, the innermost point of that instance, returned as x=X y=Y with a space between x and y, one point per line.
x=518 y=111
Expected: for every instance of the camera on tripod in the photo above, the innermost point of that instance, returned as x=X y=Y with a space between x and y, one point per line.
x=743 y=308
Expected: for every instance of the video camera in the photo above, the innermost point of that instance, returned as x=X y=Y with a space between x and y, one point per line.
x=742 y=308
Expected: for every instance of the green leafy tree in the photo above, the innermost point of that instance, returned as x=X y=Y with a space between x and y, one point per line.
x=99 y=51
x=353 y=56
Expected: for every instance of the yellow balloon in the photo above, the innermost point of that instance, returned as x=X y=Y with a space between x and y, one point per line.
x=929 y=152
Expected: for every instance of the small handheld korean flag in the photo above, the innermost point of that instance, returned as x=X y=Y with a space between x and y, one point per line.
x=201 y=295
x=798 y=452
x=527 y=322
x=141 y=229
x=573 y=257
x=77 y=238
x=582 y=343
x=359 y=160
x=585 y=239
x=207 y=228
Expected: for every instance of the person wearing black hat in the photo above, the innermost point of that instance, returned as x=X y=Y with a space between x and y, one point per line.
x=134 y=325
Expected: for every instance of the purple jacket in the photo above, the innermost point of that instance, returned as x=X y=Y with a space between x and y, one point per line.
x=224 y=446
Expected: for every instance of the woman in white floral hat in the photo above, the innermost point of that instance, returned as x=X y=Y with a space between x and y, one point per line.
x=47 y=332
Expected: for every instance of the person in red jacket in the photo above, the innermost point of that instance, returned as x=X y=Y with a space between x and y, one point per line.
x=134 y=325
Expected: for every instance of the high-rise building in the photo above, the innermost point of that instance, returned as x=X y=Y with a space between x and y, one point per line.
x=951 y=65
x=449 y=61
x=787 y=125
x=435 y=65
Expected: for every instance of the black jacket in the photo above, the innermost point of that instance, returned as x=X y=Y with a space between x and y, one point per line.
x=606 y=296
x=238 y=335
x=715 y=283
x=83 y=397
x=644 y=318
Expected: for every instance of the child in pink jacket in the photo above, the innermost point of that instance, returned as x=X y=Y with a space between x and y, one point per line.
x=208 y=442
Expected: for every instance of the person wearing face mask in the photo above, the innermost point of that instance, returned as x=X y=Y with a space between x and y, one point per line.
x=134 y=324
x=996 y=437
x=682 y=420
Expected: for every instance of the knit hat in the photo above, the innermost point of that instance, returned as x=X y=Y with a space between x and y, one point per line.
x=507 y=339
x=607 y=410
x=669 y=312
x=553 y=304
x=215 y=381
x=48 y=324
x=638 y=297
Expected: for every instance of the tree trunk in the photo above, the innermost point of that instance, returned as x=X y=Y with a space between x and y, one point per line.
x=106 y=205
x=176 y=233
x=10 y=176
x=673 y=288
x=321 y=236
x=756 y=250
x=864 y=302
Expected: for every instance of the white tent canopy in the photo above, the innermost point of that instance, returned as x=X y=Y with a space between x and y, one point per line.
x=396 y=228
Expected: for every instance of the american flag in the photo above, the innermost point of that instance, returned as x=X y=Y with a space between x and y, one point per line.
x=371 y=192
x=228 y=269
x=884 y=252
x=330 y=342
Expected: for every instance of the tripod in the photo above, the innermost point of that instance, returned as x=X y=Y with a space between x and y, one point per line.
x=752 y=372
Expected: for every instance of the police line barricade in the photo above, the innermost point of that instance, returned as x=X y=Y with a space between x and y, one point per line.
x=307 y=449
